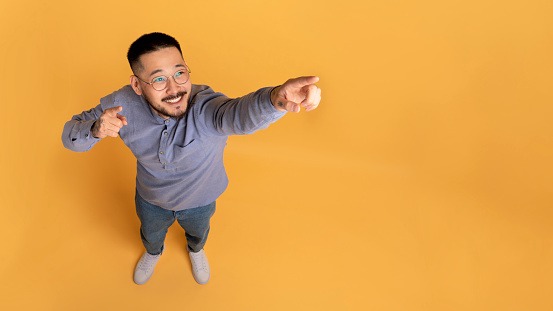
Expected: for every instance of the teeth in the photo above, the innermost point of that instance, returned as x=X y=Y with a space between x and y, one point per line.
x=172 y=101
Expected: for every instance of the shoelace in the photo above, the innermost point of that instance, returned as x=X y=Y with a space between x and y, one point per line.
x=199 y=263
x=148 y=262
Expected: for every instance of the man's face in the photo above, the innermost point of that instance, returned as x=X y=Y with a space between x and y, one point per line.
x=173 y=100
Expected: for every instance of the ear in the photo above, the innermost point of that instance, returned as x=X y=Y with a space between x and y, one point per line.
x=135 y=84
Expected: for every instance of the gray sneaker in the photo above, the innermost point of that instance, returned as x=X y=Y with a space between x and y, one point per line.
x=200 y=266
x=145 y=267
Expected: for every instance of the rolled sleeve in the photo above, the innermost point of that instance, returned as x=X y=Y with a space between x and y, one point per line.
x=76 y=134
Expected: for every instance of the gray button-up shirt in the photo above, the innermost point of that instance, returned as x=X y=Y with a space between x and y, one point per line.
x=179 y=161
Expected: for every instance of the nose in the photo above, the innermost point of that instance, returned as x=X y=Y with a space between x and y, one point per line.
x=172 y=86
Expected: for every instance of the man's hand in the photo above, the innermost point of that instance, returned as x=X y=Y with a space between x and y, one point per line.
x=109 y=123
x=295 y=93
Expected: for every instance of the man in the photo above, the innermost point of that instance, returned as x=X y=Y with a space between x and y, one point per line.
x=178 y=131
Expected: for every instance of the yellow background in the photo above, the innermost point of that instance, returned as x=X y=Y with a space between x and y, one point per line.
x=423 y=181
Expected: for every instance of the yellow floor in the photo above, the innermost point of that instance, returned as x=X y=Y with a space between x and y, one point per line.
x=423 y=181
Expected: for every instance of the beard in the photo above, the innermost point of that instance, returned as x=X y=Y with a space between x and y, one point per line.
x=163 y=112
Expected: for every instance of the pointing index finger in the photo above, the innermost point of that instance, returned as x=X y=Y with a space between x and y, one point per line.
x=114 y=110
x=303 y=81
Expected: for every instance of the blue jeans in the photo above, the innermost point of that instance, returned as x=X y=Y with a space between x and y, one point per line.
x=155 y=221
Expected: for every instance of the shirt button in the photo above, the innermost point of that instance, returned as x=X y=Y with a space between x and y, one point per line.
x=164 y=133
x=161 y=152
x=164 y=163
x=167 y=122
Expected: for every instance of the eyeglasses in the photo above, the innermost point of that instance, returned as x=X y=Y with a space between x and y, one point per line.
x=159 y=83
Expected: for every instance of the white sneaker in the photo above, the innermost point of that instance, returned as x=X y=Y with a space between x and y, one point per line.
x=145 y=267
x=200 y=266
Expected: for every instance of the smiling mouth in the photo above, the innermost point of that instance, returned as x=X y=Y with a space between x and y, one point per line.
x=174 y=99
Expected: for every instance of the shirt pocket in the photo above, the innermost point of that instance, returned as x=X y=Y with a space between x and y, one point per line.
x=188 y=157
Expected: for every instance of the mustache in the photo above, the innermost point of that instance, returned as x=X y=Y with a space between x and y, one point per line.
x=179 y=94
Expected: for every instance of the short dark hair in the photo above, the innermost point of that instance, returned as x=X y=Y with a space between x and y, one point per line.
x=149 y=43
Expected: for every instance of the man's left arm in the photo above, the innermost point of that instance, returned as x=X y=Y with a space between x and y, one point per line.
x=255 y=111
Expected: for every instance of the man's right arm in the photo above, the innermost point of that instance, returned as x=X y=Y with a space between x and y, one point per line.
x=76 y=134
x=84 y=130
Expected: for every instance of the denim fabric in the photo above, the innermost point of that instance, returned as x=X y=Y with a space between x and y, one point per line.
x=155 y=221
